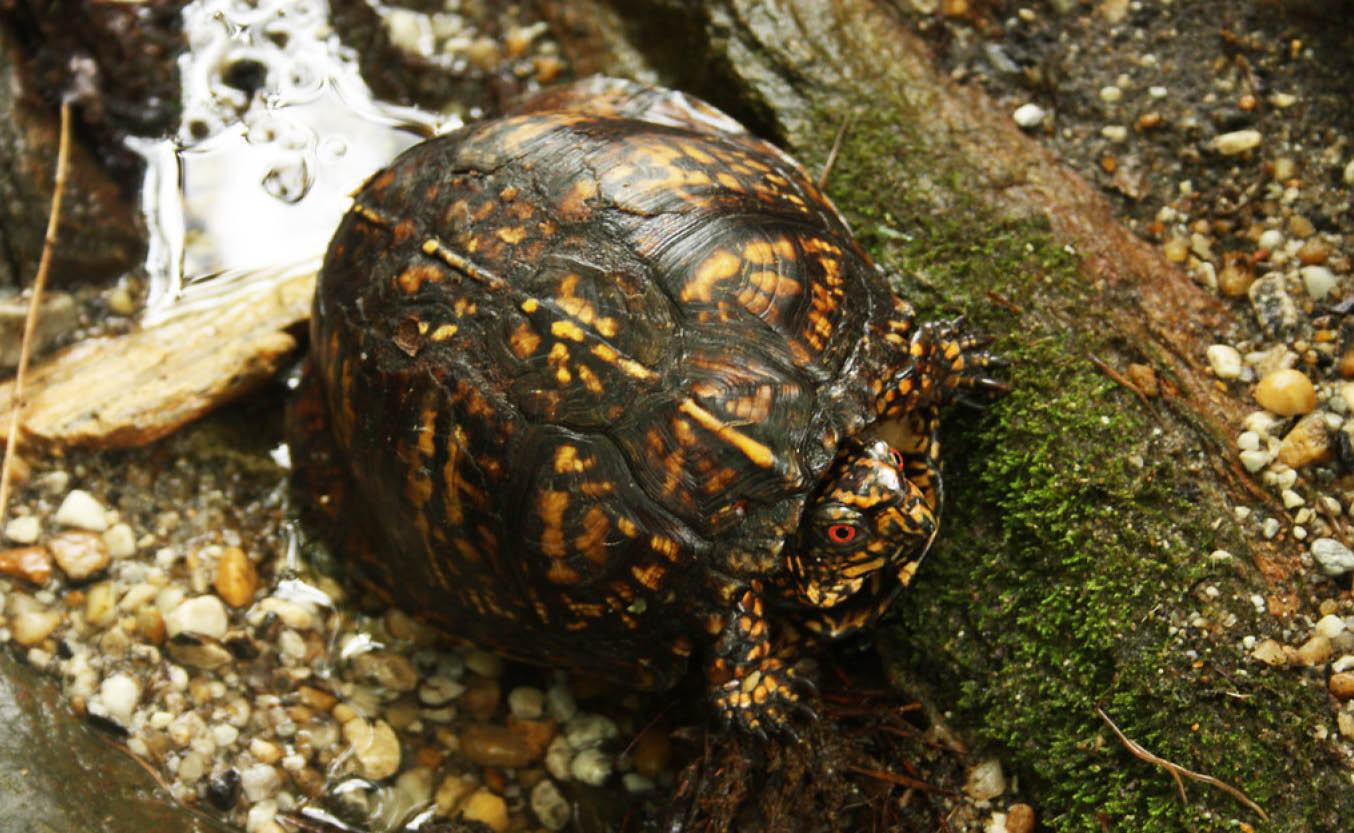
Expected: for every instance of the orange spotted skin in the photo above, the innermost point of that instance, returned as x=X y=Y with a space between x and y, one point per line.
x=609 y=379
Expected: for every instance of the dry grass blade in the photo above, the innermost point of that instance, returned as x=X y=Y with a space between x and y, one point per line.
x=832 y=154
x=1176 y=770
x=31 y=322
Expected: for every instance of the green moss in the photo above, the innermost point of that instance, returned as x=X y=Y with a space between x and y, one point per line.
x=1072 y=569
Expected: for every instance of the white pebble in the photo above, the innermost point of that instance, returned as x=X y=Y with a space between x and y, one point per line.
x=1255 y=460
x=291 y=645
x=590 y=730
x=1349 y=172
x=1334 y=557
x=1270 y=239
x=1111 y=94
x=526 y=702
x=591 y=766
x=560 y=700
x=1291 y=499
x=119 y=694
x=1225 y=360
x=1238 y=141
x=292 y=614
x=558 y=755
x=1329 y=626
x=1220 y=556
x=438 y=690
x=1157 y=92
x=484 y=663
x=82 y=511
x=120 y=540
x=549 y=806
x=225 y=734
x=259 y=782
x=1114 y=132
x=23 y=529
x=260 y=816
x=1028 y=115
x=1319 y=281
x=205 y=615
x=1248 y=441
x=986 y=781
x=636 y=783
x=1269 y=528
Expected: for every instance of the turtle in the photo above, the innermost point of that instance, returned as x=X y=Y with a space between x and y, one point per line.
x=608 y=384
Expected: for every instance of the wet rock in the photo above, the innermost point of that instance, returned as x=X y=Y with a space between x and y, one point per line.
x=439 y=690
x=986 y=781
x=197 y=651
x=1334 y=557
x=203 y=615
x=32 y=564
x=1286 y=393
x=512 y=746
x=223 y=790
x=23 y=530
x=1275 y=310
x=375 y=747
x=79 y=554
x=591 y=766
x=236 y=578
x=549 y=806
x=81 y=511
x=590 y=730
x=452 y=793
x=486 y=808
x=31 y=622
x=526 y=702
x=1019 y=818
x=387 y=669
x=1342 y=685
x=1308 y=442
x=484 y=663
x=260 y=782
x=119 y=694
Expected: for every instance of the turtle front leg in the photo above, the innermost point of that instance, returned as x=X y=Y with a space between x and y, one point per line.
x=752 y=686
x=945 y=363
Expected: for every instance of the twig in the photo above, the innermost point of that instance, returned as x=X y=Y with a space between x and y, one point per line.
x=1176 y=770
x=31 y=322
x=900 y=780
x=832 y=154
x=1118 y=377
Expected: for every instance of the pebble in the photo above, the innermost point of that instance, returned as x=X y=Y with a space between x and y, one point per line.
x=23 y=529
x=1275 y=311
x=79 y=554
x=1236 y=275
x=100 y=604
x=81 y=511
x=558 y=756
x=1318 y=280
x=375 y=747
x=388 y=669
x=1342 y=685
x=32 y=624
x=591 y=766
x=1345 y=721
x=203 y=615
x=1270 y=653
x=264 y=752
x=259 y=782
x=1334 y=557
x=1349 y=172
x=197 y=651
x=1313 y=252
x=1225 y=361
x=489 y=745
x=1308 y=442
x=452 y=793
x=549 y=806
x=292 y=614
x=120 y=540
x=1329 y=626
x=652 y=752
x=236 y=577
x=636 y=783
x=1111 y=94
x=119 y=694
x=484 y=663
x=487 y=808
x=1028 y=115
x=985 y=781
x=526 y=702
x=1238 y=141
x=1270 y=239
x=1114 y=132
x=438 y=690
x=561 y=703
x=1019 y=818
x=588 y=731
x=32 y=564
x=1286 y=392
x=1315 y=651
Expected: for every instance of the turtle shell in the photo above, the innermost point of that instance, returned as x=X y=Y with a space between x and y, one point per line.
x=585 y=363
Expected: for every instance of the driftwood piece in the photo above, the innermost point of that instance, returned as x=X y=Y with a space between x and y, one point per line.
x=133 y=389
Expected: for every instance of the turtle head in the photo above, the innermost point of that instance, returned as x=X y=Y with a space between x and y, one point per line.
x=860 y=537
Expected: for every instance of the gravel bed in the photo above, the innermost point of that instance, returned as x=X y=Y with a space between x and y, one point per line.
x=179 y=609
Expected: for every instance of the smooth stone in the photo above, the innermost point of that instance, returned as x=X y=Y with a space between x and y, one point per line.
x=591 y=766
x=79 y=554
x=24 y=529
x=204 y=615
x=1334 y=557
x=1238 y=141
x=549 y=805
x=986 y=781
x=1308 y=442
x=1225 y=360
x=1286 y=392
x=1318 y=280
x=33 y=564
x=80 y=510
x=487 y=808
x=1028 y=115
x=119 y=694
x=236 y=578
x=120 y=540
x=375 y=746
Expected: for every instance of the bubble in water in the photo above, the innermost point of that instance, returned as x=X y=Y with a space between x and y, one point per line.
x=289 y=181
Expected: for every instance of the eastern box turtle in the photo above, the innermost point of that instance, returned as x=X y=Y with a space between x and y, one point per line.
x=612 y=384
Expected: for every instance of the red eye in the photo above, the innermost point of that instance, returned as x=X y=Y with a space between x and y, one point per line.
x=897 y=457
x=841 y=533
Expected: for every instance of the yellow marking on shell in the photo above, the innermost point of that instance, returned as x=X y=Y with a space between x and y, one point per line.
x=566 y=460
x=629 y=366
x=566 y=329
x=525 y=128
x=729 y=181
x=650 y=576
x=529 y=306
x=524 y=340
x=432 y=247
x=759 y=454
x=508 y=193
x=627 y=527
x=551 y=506
x=607 y=327
x=664 y=546
x=592 y=542
x=597 y=488
x=444 y=332
x=404 y=230
x=464 y=307
x=574 y=204
x=413 y=278
x=858 y=570
x=721 y=264
x=511 y=236
x=589 y=379
x=759 y=252
x=560 y=573
x=369 y=214
x=696 y=153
